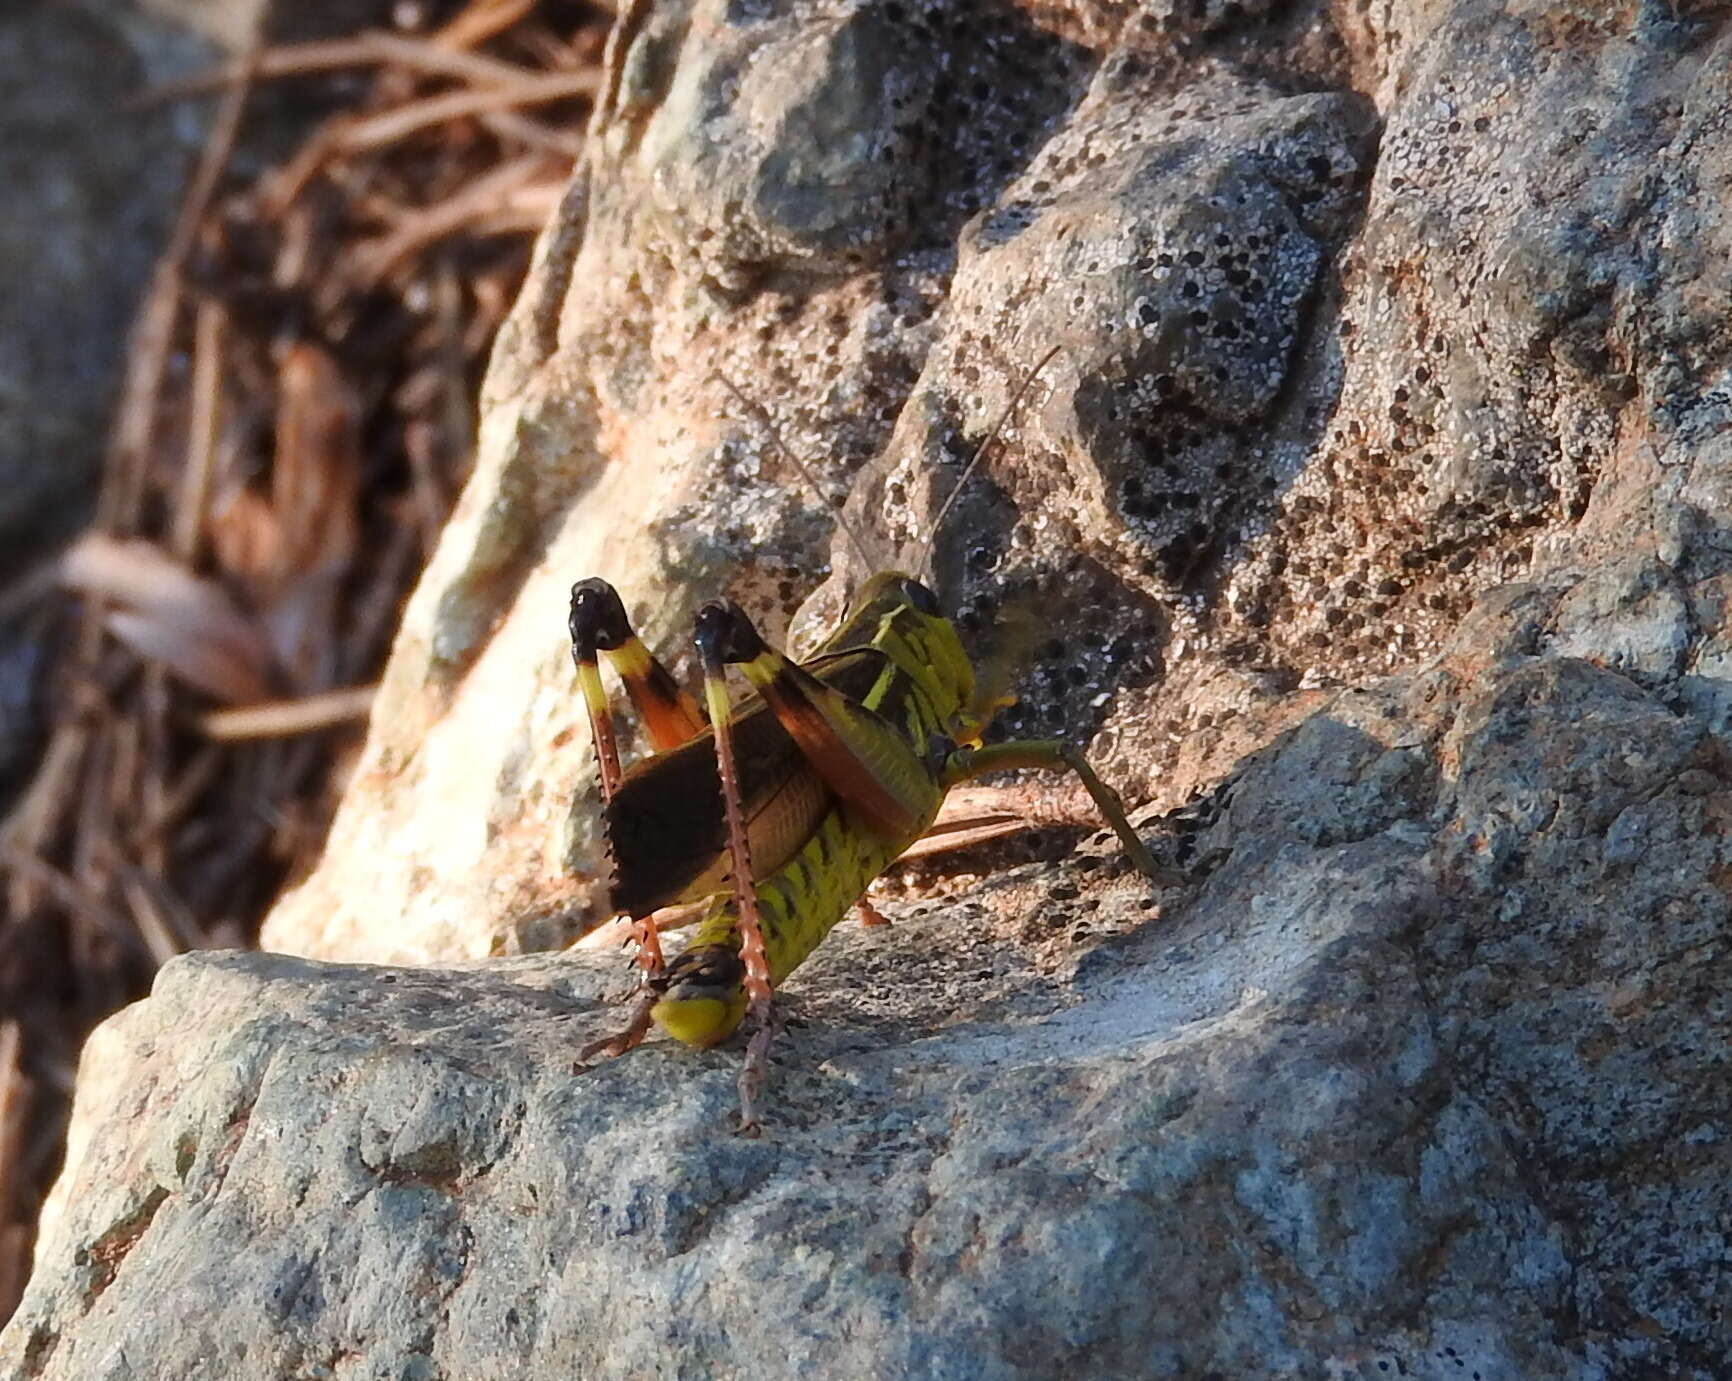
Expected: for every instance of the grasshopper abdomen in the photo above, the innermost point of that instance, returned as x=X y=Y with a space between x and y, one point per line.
x=784 y=809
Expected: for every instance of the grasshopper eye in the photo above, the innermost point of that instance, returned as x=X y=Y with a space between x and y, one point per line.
x=922 y=599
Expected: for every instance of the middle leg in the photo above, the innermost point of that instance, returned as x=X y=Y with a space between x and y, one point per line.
x=968 y=763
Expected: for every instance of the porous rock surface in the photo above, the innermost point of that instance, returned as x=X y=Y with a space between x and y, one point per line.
x=1376 y=507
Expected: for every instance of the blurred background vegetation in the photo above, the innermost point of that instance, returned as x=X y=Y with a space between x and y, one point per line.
x=259 y=253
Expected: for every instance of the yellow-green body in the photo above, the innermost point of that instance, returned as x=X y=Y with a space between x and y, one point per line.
x=919 y=708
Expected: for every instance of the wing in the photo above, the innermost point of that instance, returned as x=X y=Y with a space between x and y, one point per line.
x=666 y=835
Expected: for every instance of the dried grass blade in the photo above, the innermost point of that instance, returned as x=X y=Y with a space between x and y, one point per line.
x=203 y=428
x=37 y=818
x=334 y=55
x=479 y=21
x=512 y=127
x=167 y=613
x=284 y=718
x=392 y=126
x=89 y=914
x=963 y=836
x=522 y=180
x=978 y=814
x=158 y=937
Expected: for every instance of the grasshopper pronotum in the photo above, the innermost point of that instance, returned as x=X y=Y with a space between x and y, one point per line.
x=811 y=787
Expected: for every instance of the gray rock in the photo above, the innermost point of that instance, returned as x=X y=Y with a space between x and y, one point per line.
x=1372 y=1097
x=1628 y=615
x=1182 y=235
x=90 y=197
x=795 y=154
x=1403 y=613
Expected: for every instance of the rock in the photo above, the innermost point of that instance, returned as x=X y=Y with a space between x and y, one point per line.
x=1379 y=1096
x=792 y=152
x=1400 y=607
x=1629 y=615
x=1183 y=238
x=1112 y=207
x=79 y=233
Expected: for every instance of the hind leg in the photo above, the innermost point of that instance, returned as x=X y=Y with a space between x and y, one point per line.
x=598 y=625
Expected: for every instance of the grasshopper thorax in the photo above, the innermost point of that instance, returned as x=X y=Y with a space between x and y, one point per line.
x=899 y=617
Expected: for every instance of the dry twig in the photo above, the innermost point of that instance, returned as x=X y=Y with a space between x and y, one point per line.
x=335 y=55
x=286 y=718
x=394 y=125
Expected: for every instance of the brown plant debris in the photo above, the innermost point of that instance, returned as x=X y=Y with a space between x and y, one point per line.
x=296 y=418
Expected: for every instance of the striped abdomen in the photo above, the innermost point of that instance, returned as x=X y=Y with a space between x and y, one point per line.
x=920 y=685
x=799 y=905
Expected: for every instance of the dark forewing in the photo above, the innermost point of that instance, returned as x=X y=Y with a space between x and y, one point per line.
x=665 y=829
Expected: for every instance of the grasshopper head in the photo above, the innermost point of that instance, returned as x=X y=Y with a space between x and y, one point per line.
x=899 y=616
x=705 y=1000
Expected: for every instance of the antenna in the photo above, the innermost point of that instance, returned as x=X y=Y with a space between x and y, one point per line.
x=979 y=452
x=805 y=473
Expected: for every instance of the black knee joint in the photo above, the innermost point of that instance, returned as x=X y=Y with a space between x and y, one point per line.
x=725 y=635
x=598 y=620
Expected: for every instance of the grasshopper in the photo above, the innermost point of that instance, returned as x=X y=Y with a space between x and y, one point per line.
x=810 y=788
